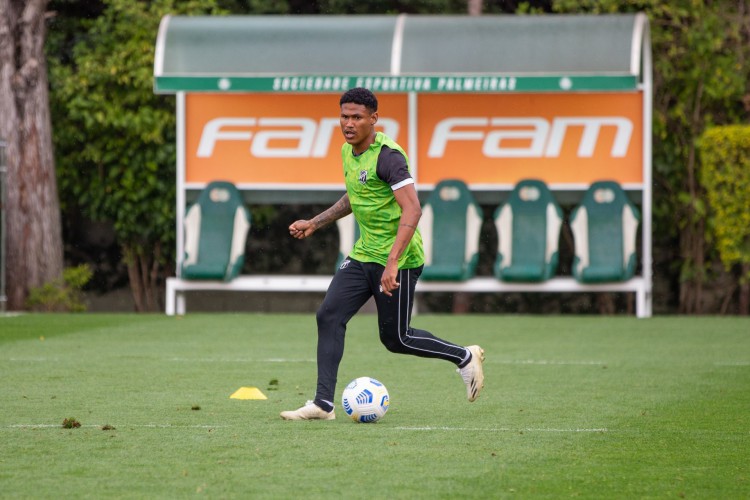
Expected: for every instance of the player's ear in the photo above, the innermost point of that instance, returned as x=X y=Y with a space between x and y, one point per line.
x=374 y=118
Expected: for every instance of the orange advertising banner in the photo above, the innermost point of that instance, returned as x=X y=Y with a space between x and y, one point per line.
x=294 y=140
x=273 y=139
x=559 y=138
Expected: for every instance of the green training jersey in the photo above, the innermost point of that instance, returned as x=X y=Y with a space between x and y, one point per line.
x=375 y=207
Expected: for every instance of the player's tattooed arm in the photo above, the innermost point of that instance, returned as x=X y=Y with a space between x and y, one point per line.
x=303 y=228
x=340 y=209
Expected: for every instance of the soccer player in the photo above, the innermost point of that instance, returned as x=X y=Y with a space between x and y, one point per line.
x=385 y=262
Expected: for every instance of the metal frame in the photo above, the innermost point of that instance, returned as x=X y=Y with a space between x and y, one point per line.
x=176 y=288
x=642 y=37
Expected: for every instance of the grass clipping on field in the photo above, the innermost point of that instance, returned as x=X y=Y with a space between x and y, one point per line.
x=71 y=423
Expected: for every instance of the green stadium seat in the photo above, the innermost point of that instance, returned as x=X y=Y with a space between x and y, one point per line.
x=216 y=228
x=604 y=227
x=348 y=235
x=450 y=225
x=528 y=229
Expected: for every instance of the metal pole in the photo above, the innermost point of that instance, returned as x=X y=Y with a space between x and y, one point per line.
x=3 y=177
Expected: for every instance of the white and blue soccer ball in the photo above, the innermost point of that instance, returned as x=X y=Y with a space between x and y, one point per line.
x=365 y=400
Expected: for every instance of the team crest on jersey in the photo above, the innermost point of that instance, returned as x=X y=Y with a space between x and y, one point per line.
x=363 y=176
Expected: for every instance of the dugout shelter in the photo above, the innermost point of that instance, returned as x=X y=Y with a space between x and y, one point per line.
x=491 y=100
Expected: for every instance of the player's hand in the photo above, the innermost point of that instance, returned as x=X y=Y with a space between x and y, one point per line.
x=301 y=229
x=388 y=281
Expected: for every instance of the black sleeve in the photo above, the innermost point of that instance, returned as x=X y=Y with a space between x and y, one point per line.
x=392 y=168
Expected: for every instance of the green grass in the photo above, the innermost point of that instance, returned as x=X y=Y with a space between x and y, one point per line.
x=593 y=407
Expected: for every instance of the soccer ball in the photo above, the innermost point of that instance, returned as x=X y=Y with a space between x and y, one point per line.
x=365 y=400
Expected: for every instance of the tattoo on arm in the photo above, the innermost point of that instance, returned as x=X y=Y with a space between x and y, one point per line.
x=340 y=209
x=409 y=225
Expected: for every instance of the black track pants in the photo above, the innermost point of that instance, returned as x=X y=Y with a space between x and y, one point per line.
x=352 y=286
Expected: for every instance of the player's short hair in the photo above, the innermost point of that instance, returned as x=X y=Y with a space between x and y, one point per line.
x=360 y=95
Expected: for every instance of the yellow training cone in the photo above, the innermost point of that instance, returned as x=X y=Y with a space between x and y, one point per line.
x=248 y=393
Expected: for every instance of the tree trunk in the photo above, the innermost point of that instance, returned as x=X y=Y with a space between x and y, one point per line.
x=744 y=305
x=143 y=272
x=692 y=239
x=692 y=251
x=34 y=234
x=474 y=7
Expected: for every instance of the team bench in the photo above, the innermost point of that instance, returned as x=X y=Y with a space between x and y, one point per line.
x=604 y=227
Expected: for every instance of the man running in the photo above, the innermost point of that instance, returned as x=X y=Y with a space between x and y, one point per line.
x=385 y=262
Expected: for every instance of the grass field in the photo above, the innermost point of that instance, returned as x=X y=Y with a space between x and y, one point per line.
x=592 y=407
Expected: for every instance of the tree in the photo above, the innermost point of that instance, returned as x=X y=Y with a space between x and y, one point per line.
x=725 y=174
x=34 y=236
x=116 y=139
x=700 y=78
x=701 y=82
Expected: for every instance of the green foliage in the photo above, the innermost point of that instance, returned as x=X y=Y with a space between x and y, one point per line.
x=700 y=78
x=725 y=174
x=114 y=138
x=332 y=7
x=63 y=294
x=393 y=7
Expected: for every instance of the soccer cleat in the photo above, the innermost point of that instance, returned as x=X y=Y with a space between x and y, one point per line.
x=310 y=411
x=473 y=374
